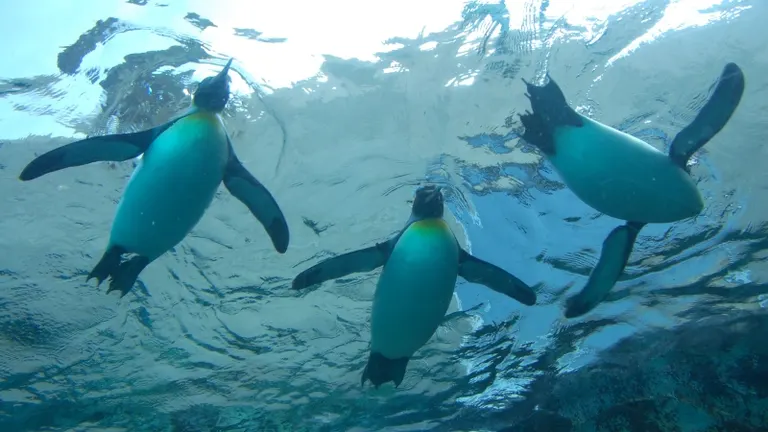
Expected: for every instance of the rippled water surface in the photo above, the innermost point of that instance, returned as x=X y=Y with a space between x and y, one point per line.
x=341 y=108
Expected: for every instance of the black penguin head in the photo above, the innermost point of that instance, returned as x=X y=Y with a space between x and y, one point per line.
x=428 y=202
x=213 y=92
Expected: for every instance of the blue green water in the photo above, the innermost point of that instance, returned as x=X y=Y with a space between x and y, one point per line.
x=341 y=108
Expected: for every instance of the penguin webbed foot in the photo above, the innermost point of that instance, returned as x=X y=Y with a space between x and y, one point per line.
x=108 y=262
x=537 y=134
x=122 y=274
x=550 y=110
x=617 y=247
x=380 y=370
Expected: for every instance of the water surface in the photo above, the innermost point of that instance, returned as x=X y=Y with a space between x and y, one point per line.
x=341 y=110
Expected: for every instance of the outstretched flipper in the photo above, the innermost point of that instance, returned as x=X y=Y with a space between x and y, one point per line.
x=613 y=258
x=550 y=111
x=115 y=148
x=475 y=270
x=244 y=186
x=712 y=117
x=380 y=370
x=123 y=274
x=362 y=260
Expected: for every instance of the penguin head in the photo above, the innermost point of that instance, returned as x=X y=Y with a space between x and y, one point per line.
x=213 y=92
x=428 y=202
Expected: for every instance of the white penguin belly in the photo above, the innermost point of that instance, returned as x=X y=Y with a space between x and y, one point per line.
x=414 y=289
x=172 y=186
x=622 y=176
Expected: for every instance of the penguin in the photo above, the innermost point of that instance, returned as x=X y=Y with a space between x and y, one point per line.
x=182 y=164
x=421 y=264
x=620 y=175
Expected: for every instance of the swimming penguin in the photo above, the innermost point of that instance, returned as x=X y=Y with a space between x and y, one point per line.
x=421 y=264
x=183 y=163
x=622 y=176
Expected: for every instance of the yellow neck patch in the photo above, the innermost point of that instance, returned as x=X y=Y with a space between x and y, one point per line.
x=204 y=116
x=430 y=225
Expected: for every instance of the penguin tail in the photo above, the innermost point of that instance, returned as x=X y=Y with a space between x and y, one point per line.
x=122 y=274
x=380 y=370
x=550 y=110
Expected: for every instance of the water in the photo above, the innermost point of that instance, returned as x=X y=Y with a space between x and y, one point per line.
x=340 y=110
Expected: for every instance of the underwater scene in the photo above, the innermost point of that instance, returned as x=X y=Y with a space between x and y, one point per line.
x=426 y=215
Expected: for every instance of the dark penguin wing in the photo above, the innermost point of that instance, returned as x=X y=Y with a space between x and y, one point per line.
x=244 y=186
x=550 y=111
x=475 y=270
x=361 y=260
x=613 y=258
x=712 y=117
x=618 y=246
x=115 y=148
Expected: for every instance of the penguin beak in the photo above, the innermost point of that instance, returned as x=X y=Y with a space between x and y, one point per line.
x=436 y=194
x=221 y=77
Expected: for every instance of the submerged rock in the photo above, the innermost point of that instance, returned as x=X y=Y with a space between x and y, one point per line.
x=706 y=375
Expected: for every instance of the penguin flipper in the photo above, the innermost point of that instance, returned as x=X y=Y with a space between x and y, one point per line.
x=244 y=186
x=550 y=110
x=114 y=148
x=475 y=270
x=362 y=260
x=712 y=117
x=380 y=370
x=617 y=248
